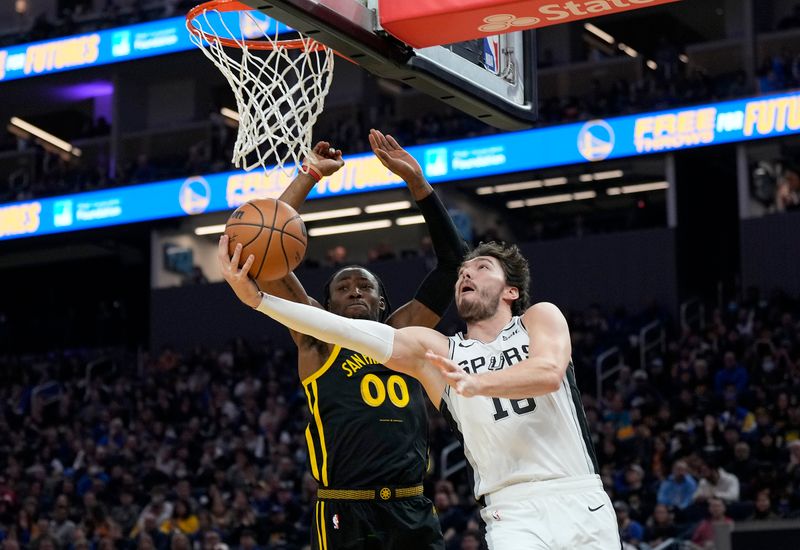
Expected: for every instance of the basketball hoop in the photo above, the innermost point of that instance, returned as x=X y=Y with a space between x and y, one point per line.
x=279 y=93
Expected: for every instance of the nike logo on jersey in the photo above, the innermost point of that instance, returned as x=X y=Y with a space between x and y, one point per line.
x=465 y=344
x=595 y=509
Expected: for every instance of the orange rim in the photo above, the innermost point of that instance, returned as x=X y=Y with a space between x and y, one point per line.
x=309 y=45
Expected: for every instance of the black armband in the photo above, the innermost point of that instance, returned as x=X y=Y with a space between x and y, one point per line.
x=436 y=291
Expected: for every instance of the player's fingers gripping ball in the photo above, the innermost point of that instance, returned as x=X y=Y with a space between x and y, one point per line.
x=273 y=232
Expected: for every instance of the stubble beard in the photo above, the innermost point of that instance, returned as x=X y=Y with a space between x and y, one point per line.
x=473 y=311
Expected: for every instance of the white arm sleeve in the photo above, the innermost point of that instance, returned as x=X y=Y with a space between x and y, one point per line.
x=368 y=337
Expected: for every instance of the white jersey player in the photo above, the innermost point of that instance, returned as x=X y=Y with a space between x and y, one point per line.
x=507 y=387
x=531 y=460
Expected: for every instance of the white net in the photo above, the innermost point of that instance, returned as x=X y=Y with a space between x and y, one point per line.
x=279 y=92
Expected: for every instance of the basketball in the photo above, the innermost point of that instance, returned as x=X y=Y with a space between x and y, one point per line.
x=273 y=232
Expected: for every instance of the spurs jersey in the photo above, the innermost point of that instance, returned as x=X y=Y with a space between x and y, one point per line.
x=508 y=441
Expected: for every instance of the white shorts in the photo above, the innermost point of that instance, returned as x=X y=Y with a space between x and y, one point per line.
x=561 y=514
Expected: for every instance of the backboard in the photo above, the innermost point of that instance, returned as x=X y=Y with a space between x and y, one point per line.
x=492 y=79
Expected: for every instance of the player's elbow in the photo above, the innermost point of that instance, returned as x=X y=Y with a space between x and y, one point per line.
x=553 y=383
x=551 y=378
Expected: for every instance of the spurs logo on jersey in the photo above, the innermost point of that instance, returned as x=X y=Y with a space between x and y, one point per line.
x=509 y=441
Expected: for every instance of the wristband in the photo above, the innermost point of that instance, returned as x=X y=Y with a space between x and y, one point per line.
x=311 y=171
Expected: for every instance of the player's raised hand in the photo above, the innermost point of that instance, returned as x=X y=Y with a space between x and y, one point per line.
x=464 y=384
x=325 y=158
x=394 y=157
x=243 y=286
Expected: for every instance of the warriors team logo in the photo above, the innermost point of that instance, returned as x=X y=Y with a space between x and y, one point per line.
x=336 y=521
x=596 y=140
x=386 y=494
x=195 y=195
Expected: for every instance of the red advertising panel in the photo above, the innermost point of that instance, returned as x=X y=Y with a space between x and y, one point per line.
x=423 y=23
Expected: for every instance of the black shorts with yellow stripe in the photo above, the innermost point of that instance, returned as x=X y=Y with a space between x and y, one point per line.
x=401 y=524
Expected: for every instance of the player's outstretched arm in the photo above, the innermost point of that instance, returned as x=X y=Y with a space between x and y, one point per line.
x=323 y=161
x=402 y=350
x=541 y=373
x=436 y=291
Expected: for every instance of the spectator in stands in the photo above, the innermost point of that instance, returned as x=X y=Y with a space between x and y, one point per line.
x=731 y=374
x=788 y=191
x=630 y=531
x=703 y=535
x=763 y=507
x=62 y=527
x=337 y=256
x=127 y=512
x=159 y=510
x=678 y=490
x=205 y=395
x=620 y=418
x=451 y=516
x=710 y=439
x=381 y=252
x=716 y=483
x=660 y=526
x=471 y=540
x=183 y=520
x=793 y=467
x=247 y=541
x=630 y=486
x=744 y=468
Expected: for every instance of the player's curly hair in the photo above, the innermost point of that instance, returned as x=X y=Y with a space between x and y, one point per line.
x=515 y=266
x=326 y=292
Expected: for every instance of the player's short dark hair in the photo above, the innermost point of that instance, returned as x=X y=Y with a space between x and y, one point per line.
x=515 y=266
x=326 y=292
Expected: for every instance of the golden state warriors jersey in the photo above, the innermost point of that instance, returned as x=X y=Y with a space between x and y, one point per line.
x=368 y=425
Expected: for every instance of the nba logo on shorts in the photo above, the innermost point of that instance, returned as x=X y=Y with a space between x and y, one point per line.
x=335 y=521
x=496 y=515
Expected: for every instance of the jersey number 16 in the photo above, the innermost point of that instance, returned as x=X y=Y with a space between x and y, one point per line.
x=519 y=406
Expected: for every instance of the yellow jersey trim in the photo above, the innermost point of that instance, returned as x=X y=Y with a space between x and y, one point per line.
x=312 y=454
x=325 y=366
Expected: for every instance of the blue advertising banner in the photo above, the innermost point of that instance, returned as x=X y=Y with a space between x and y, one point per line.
x=598 y=140
x=593 y=141
x=114 y=45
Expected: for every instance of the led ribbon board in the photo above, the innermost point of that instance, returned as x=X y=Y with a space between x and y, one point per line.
x=592 y=141
x=109 y=46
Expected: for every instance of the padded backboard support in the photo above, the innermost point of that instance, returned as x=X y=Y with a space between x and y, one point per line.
x=350 y=28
